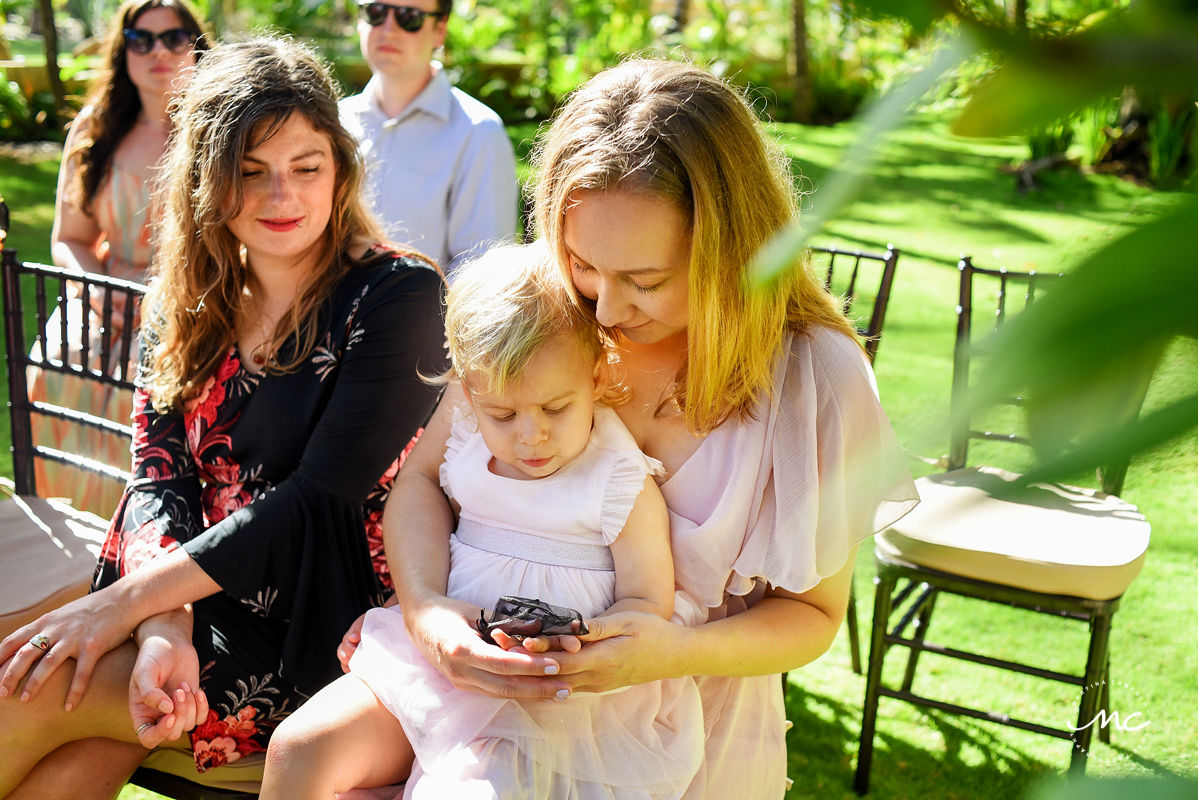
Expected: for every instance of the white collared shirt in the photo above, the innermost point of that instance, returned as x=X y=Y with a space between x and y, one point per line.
x=441 y=175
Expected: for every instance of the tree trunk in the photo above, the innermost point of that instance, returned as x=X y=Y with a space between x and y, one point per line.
x=682 y=13
x=804 y=97
x=50 y=42
x=1018 y=11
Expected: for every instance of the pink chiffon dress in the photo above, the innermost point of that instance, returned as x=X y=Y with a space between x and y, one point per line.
x=778 y=499
x=545 y=538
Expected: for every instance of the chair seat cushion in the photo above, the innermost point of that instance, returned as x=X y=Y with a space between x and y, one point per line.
x=49 y=555
x=1045 y=538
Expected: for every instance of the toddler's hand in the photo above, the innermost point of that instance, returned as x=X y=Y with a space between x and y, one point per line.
x=349 y=643
x=537 y=644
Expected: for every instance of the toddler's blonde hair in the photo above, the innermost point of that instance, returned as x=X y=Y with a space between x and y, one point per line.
x=502 y=308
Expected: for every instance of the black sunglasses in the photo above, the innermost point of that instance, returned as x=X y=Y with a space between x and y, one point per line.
x=141 y=41
x=406 y=17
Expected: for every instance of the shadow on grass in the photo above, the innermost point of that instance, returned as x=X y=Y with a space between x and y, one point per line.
x=966 y=761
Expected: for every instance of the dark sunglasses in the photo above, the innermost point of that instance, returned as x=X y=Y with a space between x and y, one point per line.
x=141 y=41
x=406 y=17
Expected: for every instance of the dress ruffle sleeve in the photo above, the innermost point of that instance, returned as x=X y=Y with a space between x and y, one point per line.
x=298 y=552
x=460 y=431
x=626 y=475
x=834 y=472
x=782 y=498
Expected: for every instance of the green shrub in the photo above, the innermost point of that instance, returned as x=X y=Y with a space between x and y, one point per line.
x=1169 y=136
x=27 y=119
x=1051 y=140
x=1095 y=126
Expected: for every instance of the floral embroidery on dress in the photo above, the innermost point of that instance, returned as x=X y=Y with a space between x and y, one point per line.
x=261 y=602
x=374 y=515
x=355 y=336
x=220 y=740
x=325 y=359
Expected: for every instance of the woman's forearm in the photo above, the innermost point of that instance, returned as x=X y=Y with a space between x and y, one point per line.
x=174 y=625
x=775 y=635
x=781 y=632
x=75 y=254
x=162 y=587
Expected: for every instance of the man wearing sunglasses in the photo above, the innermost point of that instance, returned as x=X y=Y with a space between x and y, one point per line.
x=440 y=168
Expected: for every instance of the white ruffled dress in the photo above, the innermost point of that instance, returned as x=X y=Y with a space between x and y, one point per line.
x=545 y=538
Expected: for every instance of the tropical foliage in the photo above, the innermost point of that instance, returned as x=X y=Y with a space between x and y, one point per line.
x=1125 y=301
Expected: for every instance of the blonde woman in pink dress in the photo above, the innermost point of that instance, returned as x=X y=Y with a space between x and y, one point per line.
x=554 y=501
x=102 y=216
x=656 y=187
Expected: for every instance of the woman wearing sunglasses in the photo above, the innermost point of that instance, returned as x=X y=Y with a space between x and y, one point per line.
x=102 y=211
x=440 y=169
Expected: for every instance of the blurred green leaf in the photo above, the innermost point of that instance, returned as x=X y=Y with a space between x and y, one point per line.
x=1172 y=787
x=1082 y=353
x=1119 y=444
x=919 y=14
x=1150 y=46
x=882 y=116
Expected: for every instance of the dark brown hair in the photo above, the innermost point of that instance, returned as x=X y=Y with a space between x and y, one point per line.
x=239 y=97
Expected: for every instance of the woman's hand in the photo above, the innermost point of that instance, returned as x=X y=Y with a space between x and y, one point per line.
x=164 y=695
x=84 y=630
x=626 y=648
x=443 y=630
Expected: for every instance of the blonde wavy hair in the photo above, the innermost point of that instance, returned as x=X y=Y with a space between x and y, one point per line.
x=240 y=95
x=502 y=308
x=676 y=131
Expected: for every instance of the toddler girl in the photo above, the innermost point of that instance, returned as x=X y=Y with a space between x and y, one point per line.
x=554 y=501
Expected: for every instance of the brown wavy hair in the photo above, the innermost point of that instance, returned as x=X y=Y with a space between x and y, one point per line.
x=676 y=131
x=240 y=95
x=113 y=100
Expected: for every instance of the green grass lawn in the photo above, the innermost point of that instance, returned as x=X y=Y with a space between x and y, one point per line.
x=936 y=198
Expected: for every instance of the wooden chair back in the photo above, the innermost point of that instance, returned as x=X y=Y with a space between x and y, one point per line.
x=987 y=298
x=860 y=278
x=89 y=352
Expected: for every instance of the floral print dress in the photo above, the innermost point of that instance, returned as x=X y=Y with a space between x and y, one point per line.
x=274 y=484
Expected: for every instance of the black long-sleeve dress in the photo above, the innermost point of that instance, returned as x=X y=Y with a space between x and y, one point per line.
x=274 y=484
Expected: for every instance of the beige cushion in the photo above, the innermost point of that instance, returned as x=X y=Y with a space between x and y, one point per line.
x=1047 y=538
x=243 y=775
x=48 y=554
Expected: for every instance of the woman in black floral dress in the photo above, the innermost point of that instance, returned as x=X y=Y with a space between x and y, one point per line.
x=280 y=384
